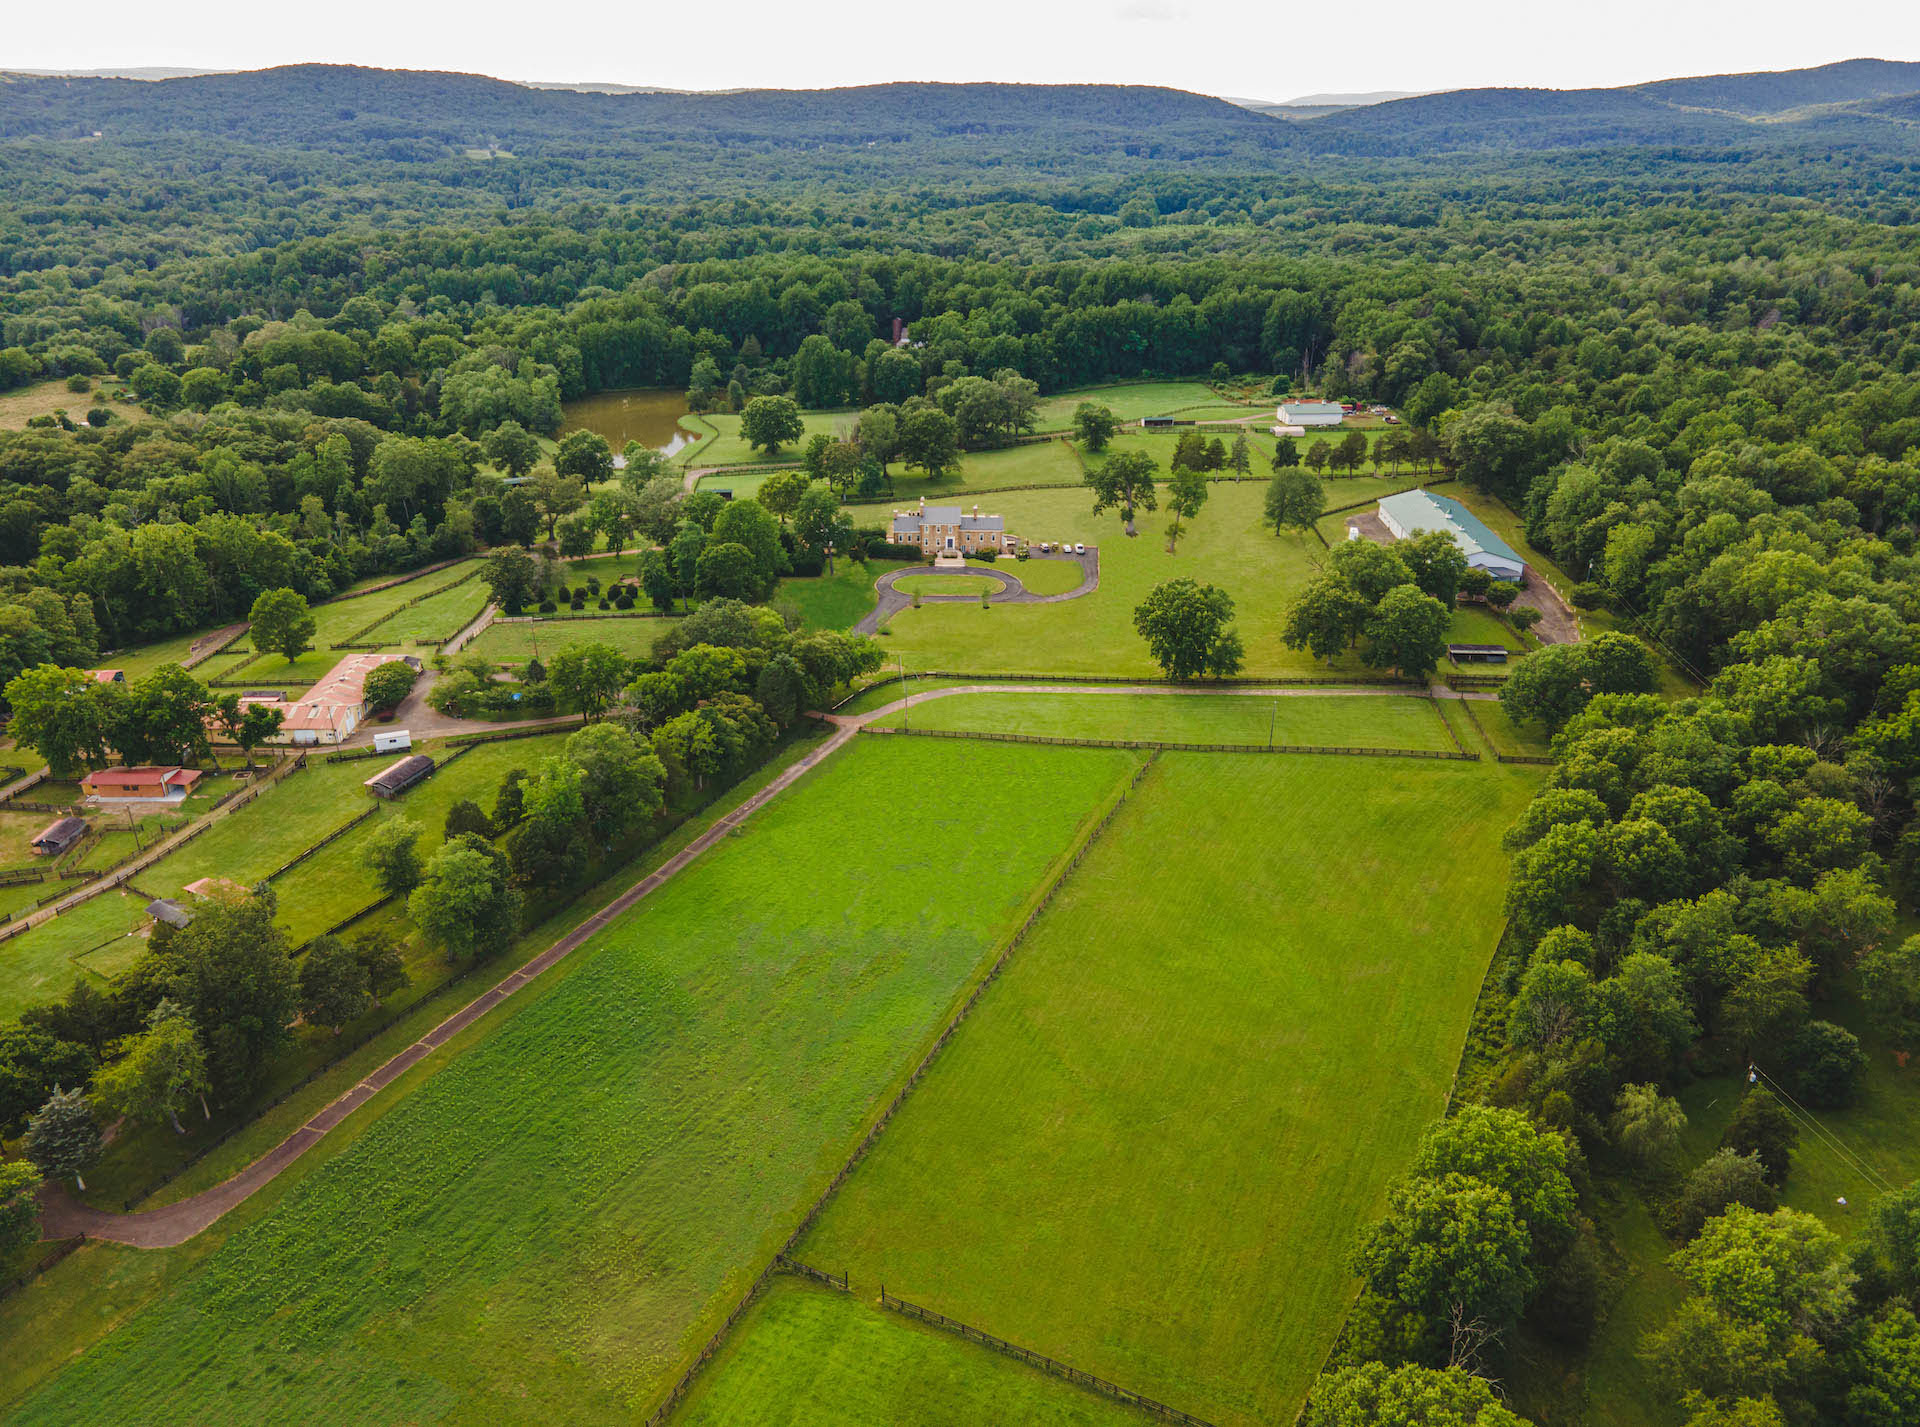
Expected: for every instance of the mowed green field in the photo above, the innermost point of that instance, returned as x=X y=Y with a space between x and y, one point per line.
x=948 y=586
x=1129 y=401
x=1149 y=1149
x=435 y=619
x=1225 y=546
x=547 y=1229
x=1303 y=720
x=515 y=643
x=805 y=1356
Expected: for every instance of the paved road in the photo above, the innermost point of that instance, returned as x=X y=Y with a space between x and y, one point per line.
x=891 y=601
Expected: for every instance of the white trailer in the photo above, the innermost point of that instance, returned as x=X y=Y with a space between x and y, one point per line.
x=393 y=741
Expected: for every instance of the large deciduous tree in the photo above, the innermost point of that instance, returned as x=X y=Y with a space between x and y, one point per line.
x=1124 y=479
x=1189 y=630
x=770 y=422
x=465 y=904
x=282 y=624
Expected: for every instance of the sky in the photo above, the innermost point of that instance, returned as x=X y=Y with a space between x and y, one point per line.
x=1260 y=52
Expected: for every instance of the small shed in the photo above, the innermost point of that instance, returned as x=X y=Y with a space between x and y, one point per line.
x=396 y=778
x=162 y=909
x=60 y=834
x=1477 y=653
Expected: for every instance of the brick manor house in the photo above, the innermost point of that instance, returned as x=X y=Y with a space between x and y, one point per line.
x=946 y=529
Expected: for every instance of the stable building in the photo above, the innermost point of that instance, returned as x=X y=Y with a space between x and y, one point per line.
x=1311 y=413
x=396 y=778
x=59 y=835
x=1413 y=512
x=144 y=784
x=946 y=529
x=331 y=710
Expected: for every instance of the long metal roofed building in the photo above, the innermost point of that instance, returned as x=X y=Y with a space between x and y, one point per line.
x=1412 y=512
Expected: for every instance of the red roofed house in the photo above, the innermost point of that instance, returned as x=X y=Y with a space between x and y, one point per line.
x=108 y=676
x=143 y=784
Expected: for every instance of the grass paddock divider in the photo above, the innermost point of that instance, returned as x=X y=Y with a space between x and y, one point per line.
x=1072 y=1374
x=784 y=1254
x=1156 y=746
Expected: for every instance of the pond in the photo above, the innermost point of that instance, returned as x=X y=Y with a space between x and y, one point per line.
x=651 y=417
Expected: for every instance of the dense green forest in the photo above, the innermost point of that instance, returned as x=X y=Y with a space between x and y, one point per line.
x=1683 y=345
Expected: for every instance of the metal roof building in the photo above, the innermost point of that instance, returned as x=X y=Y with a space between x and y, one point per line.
x=1310 y=413
x=60 y=834
x=1412 y=512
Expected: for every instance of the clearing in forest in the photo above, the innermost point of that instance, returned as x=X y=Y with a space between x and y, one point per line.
x=548 y=1228
x=1149 y=1149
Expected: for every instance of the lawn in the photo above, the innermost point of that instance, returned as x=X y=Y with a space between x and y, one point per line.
x=805 y=1356
x=1034 y=463
x=1324 y=720
x=1042 y=576
x=1225 y=546
x=38 y=966
x=949 y=585
x=837 y=601
x=516 y=643
x=547 y=1228
x=1475 y=624
x=1149 y=1150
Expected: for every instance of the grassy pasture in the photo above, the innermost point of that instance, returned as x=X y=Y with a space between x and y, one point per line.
x=727 y=447
x=1149 y=1149
x=38 y=965
x=435 y=619
x=1224 y=546
x=333 y=884
x=1129 y=401
x=44 y=398
x=273 y=671
x=1329 y=720
x=808 y=1357
x=545 y=1229
x=516 y=643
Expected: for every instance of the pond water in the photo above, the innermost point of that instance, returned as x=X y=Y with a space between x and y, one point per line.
x=650 y=417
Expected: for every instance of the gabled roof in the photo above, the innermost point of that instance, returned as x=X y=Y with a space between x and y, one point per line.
x=61 y=830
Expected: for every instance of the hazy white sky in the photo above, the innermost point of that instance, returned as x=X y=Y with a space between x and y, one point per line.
x=1271 y=52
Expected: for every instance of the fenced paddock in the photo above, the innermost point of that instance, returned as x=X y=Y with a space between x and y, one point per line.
x=1389 y=722
x=1286 y=958
x=806 y=1352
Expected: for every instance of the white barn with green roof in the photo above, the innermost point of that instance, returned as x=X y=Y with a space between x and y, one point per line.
x=1412 y=512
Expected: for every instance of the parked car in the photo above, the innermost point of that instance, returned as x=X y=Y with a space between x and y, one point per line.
x=1046 y=547
x=1078 y=548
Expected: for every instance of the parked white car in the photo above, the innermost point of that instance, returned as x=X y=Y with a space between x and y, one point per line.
x=1078 y=548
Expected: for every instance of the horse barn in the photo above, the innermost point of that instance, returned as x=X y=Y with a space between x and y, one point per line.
x=59 y=835
x=396 y=778
x=1412 y=512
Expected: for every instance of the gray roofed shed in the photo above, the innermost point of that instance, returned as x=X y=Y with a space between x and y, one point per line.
x=396 y=778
